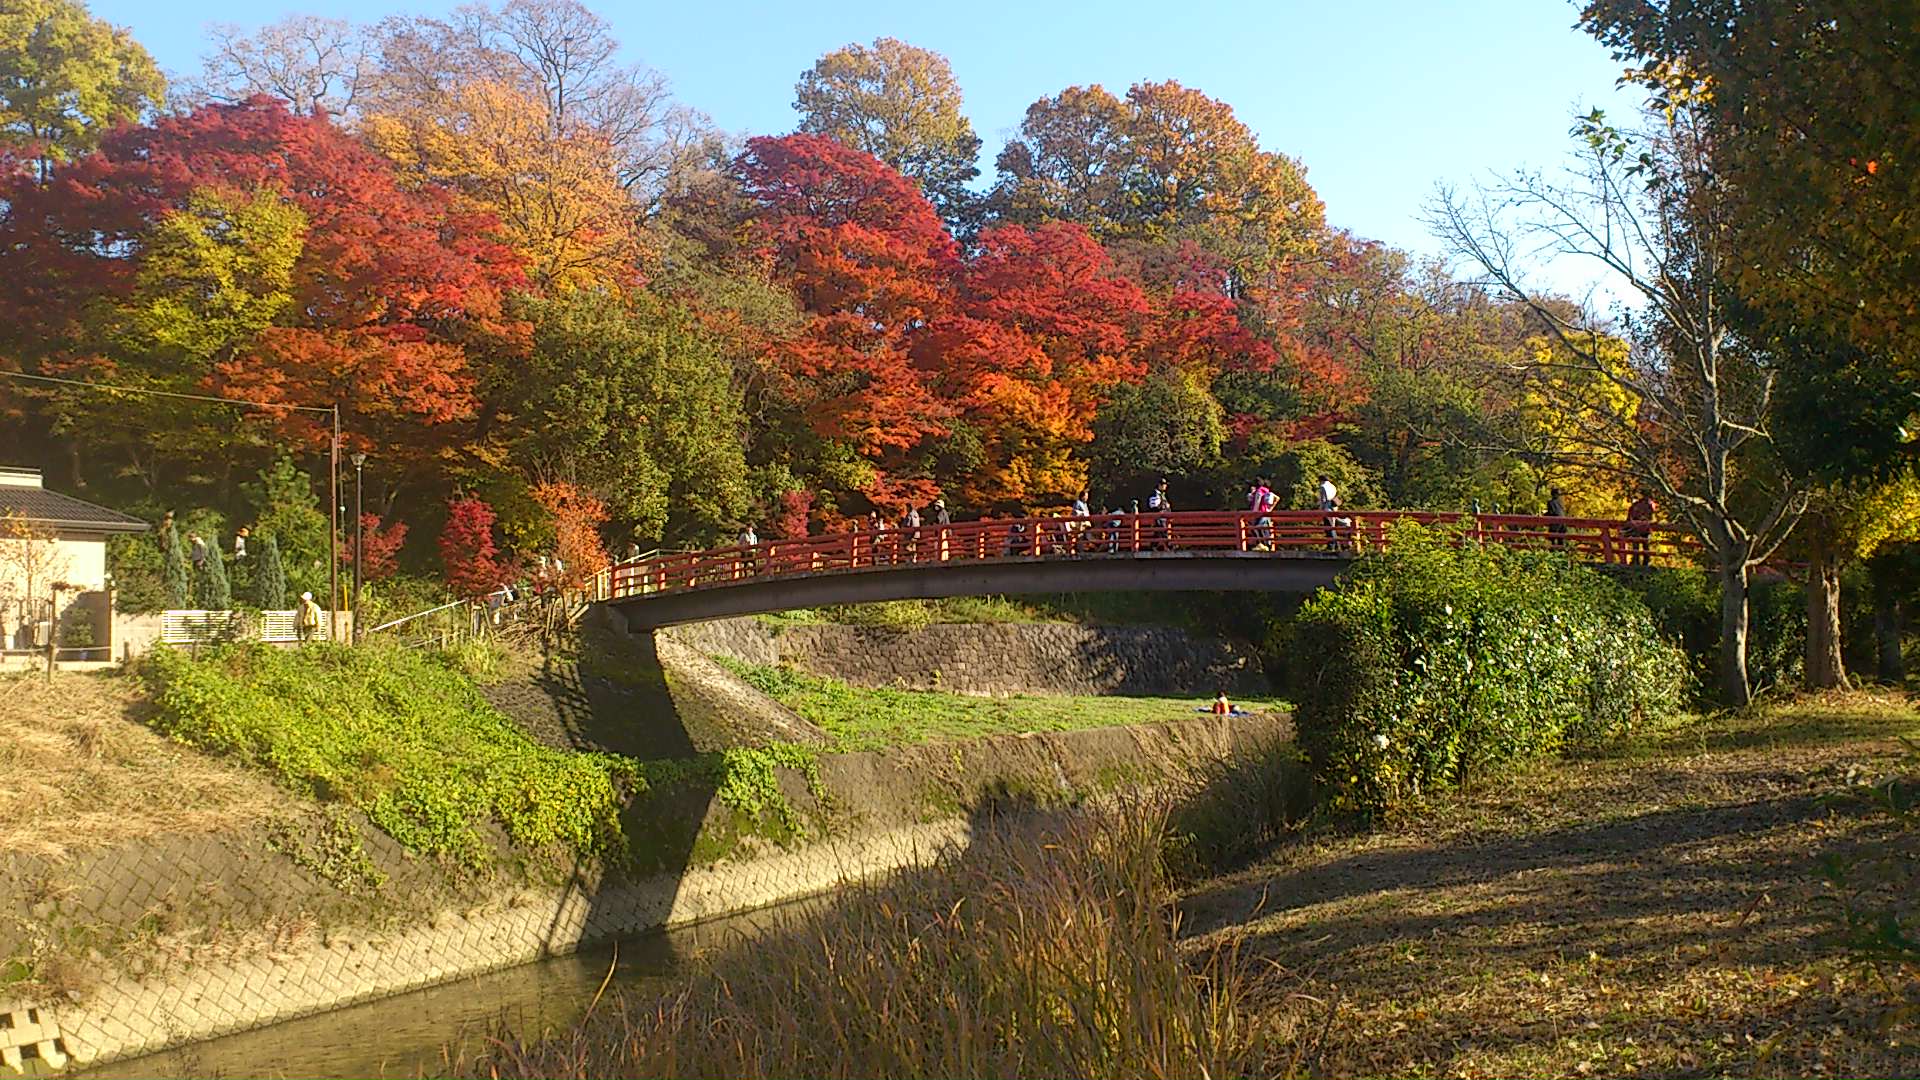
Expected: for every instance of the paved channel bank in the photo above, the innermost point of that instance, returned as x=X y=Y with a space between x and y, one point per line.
x=184 y=938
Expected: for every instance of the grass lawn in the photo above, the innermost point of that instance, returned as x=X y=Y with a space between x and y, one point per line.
x=1654 y=912
x=859 y=718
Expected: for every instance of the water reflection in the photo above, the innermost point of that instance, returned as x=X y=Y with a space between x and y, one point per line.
x=412 y=1034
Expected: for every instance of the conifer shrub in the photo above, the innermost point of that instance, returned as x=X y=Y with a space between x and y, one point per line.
x=1436 y=662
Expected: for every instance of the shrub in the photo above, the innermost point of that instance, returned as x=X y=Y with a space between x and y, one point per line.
x=1045 y=951
x=139 y=571
x=1438 y=661
x=1686 y=608
x=269 y=577
x=397 y=734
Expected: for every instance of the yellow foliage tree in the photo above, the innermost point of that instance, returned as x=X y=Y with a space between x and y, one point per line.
x=1562 y=398
x=554 y=188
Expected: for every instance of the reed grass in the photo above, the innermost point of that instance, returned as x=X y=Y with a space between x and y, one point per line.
x=1046 y=949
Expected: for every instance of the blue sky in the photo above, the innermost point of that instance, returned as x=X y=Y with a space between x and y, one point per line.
x=1379 y=100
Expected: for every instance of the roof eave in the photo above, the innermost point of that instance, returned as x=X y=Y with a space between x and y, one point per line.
x=88 y=526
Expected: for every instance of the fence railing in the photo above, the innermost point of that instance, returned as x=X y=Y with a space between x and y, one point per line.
x=189 y=626
x=1281 y=534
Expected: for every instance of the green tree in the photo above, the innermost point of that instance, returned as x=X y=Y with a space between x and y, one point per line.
x=289 y=512
x=211 y=590
x=1168 y=425
x=179 y=591
x=633 y=399
x=902 y=105
x=65 y=77
x=269 y=578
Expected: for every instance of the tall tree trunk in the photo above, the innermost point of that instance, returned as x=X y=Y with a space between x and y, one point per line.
x=1826 y=667
x=1735 y=690
x=1892 y=667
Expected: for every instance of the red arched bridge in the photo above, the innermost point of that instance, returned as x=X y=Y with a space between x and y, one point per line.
x=1289 y=551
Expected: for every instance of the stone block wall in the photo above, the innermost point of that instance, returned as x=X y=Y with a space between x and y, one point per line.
x=1013 y=658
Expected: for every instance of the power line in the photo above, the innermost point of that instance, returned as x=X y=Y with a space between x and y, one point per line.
x=328 y=410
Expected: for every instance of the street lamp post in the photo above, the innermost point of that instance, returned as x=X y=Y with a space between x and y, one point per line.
x=359 y=459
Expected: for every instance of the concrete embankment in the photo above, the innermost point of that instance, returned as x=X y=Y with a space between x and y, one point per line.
x=171 y=940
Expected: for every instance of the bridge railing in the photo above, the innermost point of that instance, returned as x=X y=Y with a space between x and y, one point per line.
x=1281 y=534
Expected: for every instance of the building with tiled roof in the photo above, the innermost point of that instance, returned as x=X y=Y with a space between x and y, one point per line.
x=53 y=565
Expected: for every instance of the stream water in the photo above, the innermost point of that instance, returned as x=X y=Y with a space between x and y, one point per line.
x=412 y=1034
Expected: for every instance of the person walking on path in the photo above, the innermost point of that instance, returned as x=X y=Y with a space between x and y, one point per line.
x=1330 y=505
x=1557 y=508
x=306 y=620
x=1639 y=530
x=1078 y=528
x=912 y=533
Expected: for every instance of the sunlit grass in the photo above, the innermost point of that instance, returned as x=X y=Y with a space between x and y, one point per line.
x=863 y=718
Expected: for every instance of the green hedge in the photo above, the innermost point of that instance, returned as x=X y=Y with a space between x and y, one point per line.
x=1438 y=661
x=395 y=733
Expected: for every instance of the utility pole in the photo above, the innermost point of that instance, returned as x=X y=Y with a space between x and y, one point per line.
x=333 y=530
x=359 y=459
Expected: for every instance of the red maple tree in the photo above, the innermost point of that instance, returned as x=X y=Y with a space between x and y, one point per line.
x=872 y=265
x=392 y=289
x=472 y=562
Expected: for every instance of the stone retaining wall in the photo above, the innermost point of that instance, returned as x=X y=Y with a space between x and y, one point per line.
x=199 y=936
x=1012 y=658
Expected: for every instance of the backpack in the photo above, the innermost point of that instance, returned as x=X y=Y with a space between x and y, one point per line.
x=1153 y=501
x=1267 y=501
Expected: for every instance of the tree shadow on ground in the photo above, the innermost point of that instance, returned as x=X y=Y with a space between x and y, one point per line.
x=1681 y=933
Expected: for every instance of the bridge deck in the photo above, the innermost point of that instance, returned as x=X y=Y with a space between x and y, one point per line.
x=1287 y=550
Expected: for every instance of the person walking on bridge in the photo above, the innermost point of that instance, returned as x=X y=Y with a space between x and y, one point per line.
x=1557 y=508
x=1261 y=501
x=1330 y=505
x=1161 y=504
x=1639 y=530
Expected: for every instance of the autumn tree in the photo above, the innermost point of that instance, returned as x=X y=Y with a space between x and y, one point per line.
x=380 y=543
x=1815 y=141
x=871 y=265
x=391 y=289
x=1044 y=326
x=1164 y=164
x=470 y=558
x=902 y=105
x=556 y=52
x=577 y=517
x=66 y=78
x=1690 y=409
x=554 y=190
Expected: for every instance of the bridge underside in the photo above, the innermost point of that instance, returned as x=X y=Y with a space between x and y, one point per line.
x=1170 y=571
